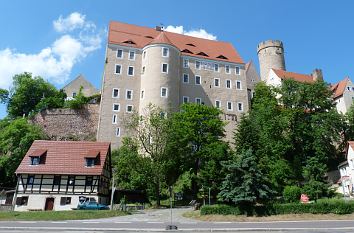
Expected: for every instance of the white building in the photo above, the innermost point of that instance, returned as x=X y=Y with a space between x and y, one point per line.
x=343 y=94
x=346 y=170
x=55 y=175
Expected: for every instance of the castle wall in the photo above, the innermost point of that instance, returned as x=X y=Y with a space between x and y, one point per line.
x=69 y=124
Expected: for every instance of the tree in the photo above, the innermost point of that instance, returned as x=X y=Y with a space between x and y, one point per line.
x=27 y=92
x=16 y=137
x=195 y=143
x=4 y=95
x=245 y=184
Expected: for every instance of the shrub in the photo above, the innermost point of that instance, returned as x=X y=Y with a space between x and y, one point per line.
x=219 y=209
x=292 y=193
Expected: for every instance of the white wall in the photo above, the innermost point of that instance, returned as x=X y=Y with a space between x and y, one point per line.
x=273 y=79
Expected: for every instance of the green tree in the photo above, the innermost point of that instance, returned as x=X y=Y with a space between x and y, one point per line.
x=4 y=95
x=27 y=92
x=245 y=184
x=16 y=137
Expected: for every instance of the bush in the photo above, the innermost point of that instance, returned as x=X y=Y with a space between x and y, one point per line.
x=292 y=193
x=324 y=206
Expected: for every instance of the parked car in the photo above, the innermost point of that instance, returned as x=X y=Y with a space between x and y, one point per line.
x=92 y=205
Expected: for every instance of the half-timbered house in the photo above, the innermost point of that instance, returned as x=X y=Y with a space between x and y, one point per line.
x=57 y=175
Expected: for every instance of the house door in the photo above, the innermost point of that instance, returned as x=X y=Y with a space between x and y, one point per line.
x=49 y=203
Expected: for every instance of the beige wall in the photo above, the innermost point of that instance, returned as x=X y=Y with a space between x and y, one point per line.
x=344 y=102
x=74 y=87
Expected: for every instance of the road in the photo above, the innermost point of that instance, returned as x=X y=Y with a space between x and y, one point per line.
x=157 y=220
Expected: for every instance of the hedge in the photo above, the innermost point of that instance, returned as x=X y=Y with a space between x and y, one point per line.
x=320 y=207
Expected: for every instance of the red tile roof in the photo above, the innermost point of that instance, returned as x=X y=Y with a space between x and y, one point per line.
x=304 y=78
x=65 y=157
x=138 y=37
x=339 y=88
x=161 y=39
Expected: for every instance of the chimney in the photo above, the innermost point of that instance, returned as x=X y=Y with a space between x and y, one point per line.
x=159 y=28
x=317 y=75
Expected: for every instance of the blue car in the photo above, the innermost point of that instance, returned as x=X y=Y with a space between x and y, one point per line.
x=92 y=205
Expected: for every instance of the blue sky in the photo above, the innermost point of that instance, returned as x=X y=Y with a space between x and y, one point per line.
x=316 y=34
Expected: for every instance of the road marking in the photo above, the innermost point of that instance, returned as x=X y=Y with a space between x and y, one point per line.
x=59 y=222
x=90 y=222
x=222 y=222
x=27 y=222
x=154 y=222
x=122 y=222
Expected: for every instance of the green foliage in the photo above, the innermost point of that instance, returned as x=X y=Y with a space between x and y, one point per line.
x=79 y=101
x=292 y=193
x=28 y=92
x=244 y=184
x=321 y=207
x=4 y=95
x=16 y=137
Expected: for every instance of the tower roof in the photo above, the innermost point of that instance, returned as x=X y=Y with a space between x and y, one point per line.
x=138 y=37
x=339 y=88
x=304 y=78
x=161 y=39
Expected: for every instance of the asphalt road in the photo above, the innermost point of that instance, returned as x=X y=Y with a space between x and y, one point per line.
x=158 y=220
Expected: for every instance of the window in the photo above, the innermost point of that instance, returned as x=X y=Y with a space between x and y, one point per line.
x=185 y=78
x=185 y=63
x=71 y=180
x=129 y=108
x=164 y=68
x=65 y=200
x=129 y=94
x=237 y=70
x=198 y=80
x=90 y=162
x=352 y=88
x=227 y=69
x=115 y=93
x=198 y=100
x=185 y=99
x=216 y=67
x=35 y=160
x=56 y=180
x=114 y=119
x=216 y=82
x=74 y=94
x=116 y=107
x=165 y=52
x=30 y=180
x=117 y=132
x=143 y=70
x=131 y=70
x=217 y=103
x=240 y=107
x=142 y=93
x=118 y=69
x=228 y=84
x=197 y=65
x=119 y=53
x=89 y=180
x=144 y=54
x=238 y=85
x=131 y=55
x=164 y=92
x=229 y=106
x=22 y=200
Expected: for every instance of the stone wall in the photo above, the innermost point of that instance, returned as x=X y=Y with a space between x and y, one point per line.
x=69 y=124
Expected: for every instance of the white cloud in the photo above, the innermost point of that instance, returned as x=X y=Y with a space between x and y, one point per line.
x=56 y=61
x=201 y=33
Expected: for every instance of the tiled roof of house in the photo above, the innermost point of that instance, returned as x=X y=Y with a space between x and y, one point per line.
x=138 y=37
x=161 y=39
x=65 y=157
x=339 y=88
x=304 y=78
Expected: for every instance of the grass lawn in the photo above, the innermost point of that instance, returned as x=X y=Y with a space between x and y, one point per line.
x=59 y=215
x=284 y=217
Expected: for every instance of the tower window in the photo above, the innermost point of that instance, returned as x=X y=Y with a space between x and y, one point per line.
x=198 y=100
x=216 y=67
x=217 y=103
x=115 y=93
x=142 y=94
x=164 y=68
x=229 y=106
x=144 y=54
x=114 y=119
x=227 y=69
x=116 y=107
x=131 y=70
x=238 y=85
x=129 y=108
x=216 y=82
x=185 y=78
x=228 y=84
x=165 y=52
x=240 y=107
x=185 y=99
x=129 y=94
x=119 y=53
x=197 y=65
x=185 y=63
x=164 y=92
x=117 y=132
x=237 y=70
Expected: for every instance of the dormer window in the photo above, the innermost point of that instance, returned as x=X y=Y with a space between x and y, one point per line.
x=38 y=157
x=186 y=51
x=129 y=42
x=92 y=158
x=222 y=57
x=190 y=44
x=202 y=54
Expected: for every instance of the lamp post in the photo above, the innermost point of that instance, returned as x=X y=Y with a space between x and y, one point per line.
x=171 y=226
x=113 y=189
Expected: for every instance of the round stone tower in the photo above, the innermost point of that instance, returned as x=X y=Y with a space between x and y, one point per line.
x=160 y=74
x=270 y=55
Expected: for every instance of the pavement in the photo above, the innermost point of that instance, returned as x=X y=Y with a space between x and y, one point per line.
x=157 y=220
